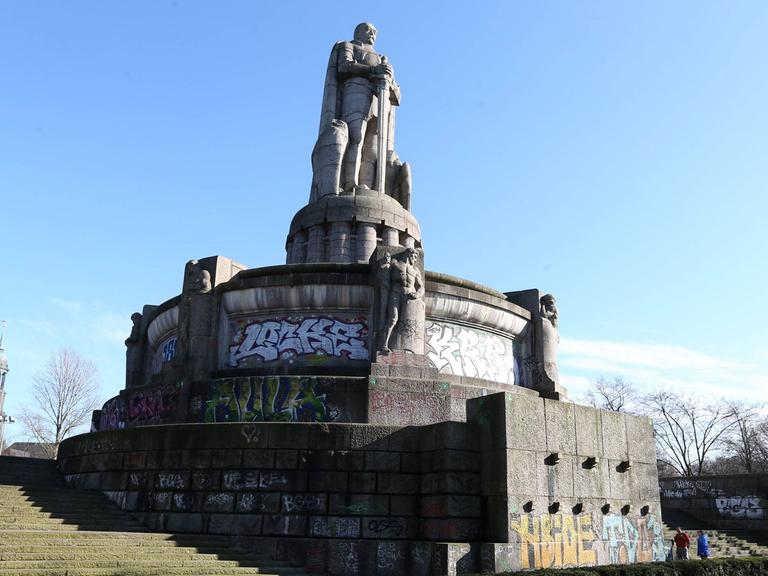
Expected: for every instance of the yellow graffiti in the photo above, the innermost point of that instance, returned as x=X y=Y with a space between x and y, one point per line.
x=554 y=540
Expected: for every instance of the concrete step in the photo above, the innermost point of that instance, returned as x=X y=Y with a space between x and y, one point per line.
x=128 y=571
x=99 y=553
x=166 y=562
x=47 y=529
x=107 y=535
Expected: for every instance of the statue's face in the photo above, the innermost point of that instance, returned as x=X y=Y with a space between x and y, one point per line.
x=365 y=33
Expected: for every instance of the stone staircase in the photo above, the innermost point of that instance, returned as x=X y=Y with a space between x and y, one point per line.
x=722 y=543
x=47 y=529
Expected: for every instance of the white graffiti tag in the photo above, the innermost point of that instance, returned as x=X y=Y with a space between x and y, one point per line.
x=740 y=506
x=466 y=352
x=273 y=339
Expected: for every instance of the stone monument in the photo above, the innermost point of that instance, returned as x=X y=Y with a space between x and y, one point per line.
x=354 y=413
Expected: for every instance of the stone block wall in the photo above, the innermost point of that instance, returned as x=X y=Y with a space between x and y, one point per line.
x=525 y=482
x=565 y=485
x=297 y=480
x=738 y=501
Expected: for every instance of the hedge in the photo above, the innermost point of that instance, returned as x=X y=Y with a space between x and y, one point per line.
x=712 y=567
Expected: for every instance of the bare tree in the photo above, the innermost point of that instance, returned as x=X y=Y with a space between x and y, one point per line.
x=616 y=394
x=65 y=394
x=687 y=431
x=747 y=442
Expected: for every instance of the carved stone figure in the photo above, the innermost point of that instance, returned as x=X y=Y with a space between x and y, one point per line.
x=402 y=289
x=356 y=78
x=383 y=281
x=197 y=278
x=133 y=353
x=326 y=160
x=398 y=181
x=550 y=335
x=135 y=329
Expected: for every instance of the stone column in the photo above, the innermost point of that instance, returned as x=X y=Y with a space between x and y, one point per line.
x=339 y=242
x=298 y=248
x=390 y=237
x=316 y=244
x=409 y=242
x=366 y=241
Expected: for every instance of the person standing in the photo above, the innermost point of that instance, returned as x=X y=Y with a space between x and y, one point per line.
x=702 y=546
x=682 y=541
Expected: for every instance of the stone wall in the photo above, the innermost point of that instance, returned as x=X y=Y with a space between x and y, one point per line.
x=327 y=481
x=733 y=501
x=524 y=482
x=314 y=320
x=564 y=484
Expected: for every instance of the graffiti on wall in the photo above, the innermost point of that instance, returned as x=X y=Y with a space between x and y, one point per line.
x=267 y=399
x=310 y=339
x=683 y=488
x=151 y=405
x=466 y=352
x=749 y=507
x=165 y=352
x=558 y=540
x=112 y=414
x=631 y=540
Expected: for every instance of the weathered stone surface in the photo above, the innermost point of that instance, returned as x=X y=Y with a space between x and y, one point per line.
x=640 y=439
x=560 y=426
x=614 y=435
x=589 y=436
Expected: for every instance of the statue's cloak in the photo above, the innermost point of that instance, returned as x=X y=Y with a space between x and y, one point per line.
x=331 y=93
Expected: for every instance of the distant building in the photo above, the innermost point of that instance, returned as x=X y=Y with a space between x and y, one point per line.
x=31 y=450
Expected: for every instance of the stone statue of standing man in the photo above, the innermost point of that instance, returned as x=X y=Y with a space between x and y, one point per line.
x=357 y=121
x=401 y=302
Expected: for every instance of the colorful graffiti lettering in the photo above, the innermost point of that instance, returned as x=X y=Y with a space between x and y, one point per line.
x=557 y=540
x=266 y=399
x=169 y=349
x=633 y=540
x=466 y=352
x=270 y=340
x=164 y=353
x=151 y=406
x=112 y=414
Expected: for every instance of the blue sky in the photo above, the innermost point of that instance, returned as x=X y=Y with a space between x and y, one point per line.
x=612 y=153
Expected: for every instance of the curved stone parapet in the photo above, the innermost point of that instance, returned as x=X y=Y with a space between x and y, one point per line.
x=348 y=228
x=163 y=325
x=458 y=300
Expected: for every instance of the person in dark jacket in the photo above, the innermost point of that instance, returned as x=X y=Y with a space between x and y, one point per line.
x=702 y=546
x=682 y=541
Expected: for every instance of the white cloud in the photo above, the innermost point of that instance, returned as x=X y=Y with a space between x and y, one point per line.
x=652 y=366
x=71 y=305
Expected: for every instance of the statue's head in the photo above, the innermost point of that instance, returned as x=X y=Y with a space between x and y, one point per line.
x=548 y=302
x=412 y=255
x=136 y=317
x=365 y=33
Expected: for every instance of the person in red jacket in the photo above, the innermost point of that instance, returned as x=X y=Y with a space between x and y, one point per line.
x=682 y=541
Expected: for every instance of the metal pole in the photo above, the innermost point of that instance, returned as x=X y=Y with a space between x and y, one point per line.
x=3 y=372
x=383 y=126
